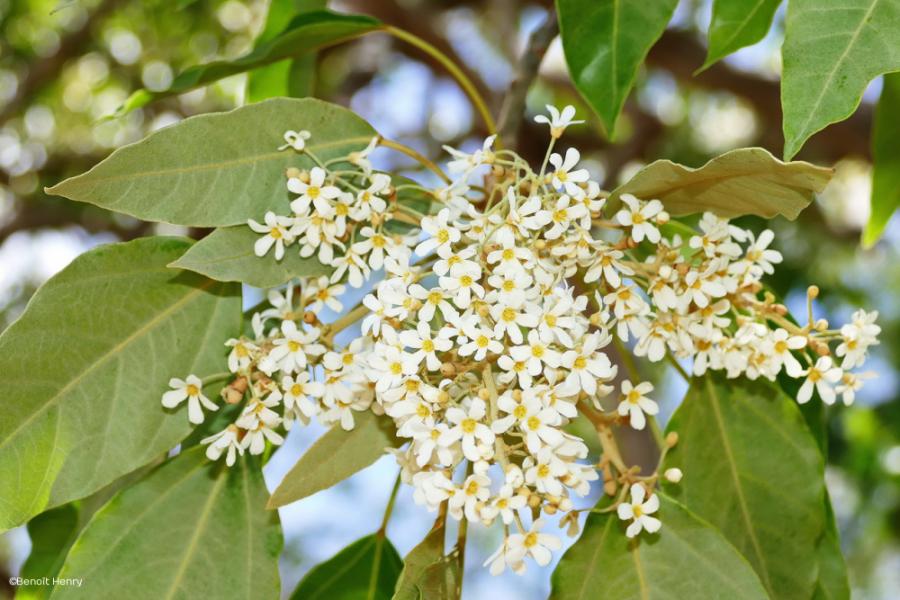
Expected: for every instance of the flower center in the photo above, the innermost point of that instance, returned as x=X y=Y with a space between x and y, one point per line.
x=533 y=423
x=580 y=362
x=520 y=411
x=275 y=233
x=443 y=236
x=427 y=345
x=396 y=368
x=468 y=425
x=293 y=346
x=530 y=540
x=296 y=389
x=192 y=390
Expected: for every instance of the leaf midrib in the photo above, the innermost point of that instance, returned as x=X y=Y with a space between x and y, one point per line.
x=742 y=501
x=140 y=331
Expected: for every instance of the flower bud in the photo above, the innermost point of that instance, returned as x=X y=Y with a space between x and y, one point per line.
x=662 y=218
x=293 y=173
x=484 y=394
x=448 y=370
x=672 y=439
x=673 y=475
x=310 y=318
x=812 y=291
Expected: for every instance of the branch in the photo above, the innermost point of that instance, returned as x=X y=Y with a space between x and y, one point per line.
x=526 y=71
x=48 y=70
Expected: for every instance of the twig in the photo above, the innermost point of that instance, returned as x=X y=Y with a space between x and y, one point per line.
x=526 y=72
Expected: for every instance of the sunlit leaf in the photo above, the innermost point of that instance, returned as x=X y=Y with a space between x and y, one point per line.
x=832 y=583
x=885 y=160
x=832 y=50
x=217 y=169
x=686 y=559
x=367 y=569
x=307 y=32
x=753 y=470
x=737 y=23
x=87 y=364
x=605 y=43
x=191 y=529
x=747 y=181
x=227 y=255
x=338 y=454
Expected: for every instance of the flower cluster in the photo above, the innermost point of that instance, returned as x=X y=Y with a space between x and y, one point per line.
x=495 y=325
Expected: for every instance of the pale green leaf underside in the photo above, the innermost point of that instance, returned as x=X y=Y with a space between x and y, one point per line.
x=338 y=454
x=307 y=32
x=832 y=50
x=736 y=24
x=367 y=569
x=832 y=583
x=227 y=255
x=87 y=363
x=191 y=529
x=217 y=169
x=746 y=181
x=605 y=44
x=885 y=160
x=686 y=559
x=753 y=470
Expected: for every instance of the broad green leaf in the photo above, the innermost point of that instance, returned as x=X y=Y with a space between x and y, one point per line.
x=885 y=160
x=367 y=569
x=605 y=42
x=227 y=255
x=832 y=50
x=336 y=455
x=277 y=78
x=737 y=23
x=191 y=529
x=427 y=573
x=747 y=181
x=686 y=559
x=307 y=32
x=217 y=169
x=752 y=469
x=53 y=532
x=832 y=583
x=87 y=364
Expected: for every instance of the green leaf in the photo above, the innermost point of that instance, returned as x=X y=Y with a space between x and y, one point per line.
x=686 y=559
x=87 y=364
x=227 y=255
x=832 y=583
x=752 y=469
x=336 y=455
x=191 y=529
x=885 y=160
x=605 y=43
x=217 y=169
x=427 y=573
x=287 y=77
x=53 y=532
x=832 y=50
x=307 y=32
x=736 y=24
x=747 y=181
x=367 y=569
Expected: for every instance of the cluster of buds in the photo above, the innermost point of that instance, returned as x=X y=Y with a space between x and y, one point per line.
x=490 y=331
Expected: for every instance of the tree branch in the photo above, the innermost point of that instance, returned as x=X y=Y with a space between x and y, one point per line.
x=526 y=71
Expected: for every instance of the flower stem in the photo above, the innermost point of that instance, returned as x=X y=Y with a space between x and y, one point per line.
x=464 y=82
x=346 y=321
x=390 y=507
x=417 y=156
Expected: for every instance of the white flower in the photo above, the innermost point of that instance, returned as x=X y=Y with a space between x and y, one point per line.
x=563 y=213
x=390 y=366
x=639 y=512
x=441 y=234
x=563 y=177
x=850 y=384
x=324 y=294
x=315 y=191
x=782 y=344
x=536 y=354
x=759 y=254
x=369 y=200
x=299 y=393
x=295 y=140
x=289 y=351
x=432 y=299
x=558 y=121
x=510 y=320
x=260 y=420
x=502 y=558
x=468 y=427
x=190 y=389
x=820 y=376
x=277 y=233
x=638 y=216
x=636 y=403
x=537 y=545
x=587 y=366
x=361 y=158
x=463 y=286
x=544 y=471
x=227 y=439
x=425 y=345
x=240 y=355
x=506 y=504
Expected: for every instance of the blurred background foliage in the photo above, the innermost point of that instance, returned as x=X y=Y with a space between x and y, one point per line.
x=66 y=65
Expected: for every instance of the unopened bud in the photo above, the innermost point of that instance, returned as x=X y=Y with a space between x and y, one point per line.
x=672 y=439
x=231 y=395
x=662 y=218
x=310 y=318
x=239 y=384
x=812 y=291
x=821 y=325
x=484 y=394
x=448 y=370
x=534 y=500
x=550 y=509
x=780 y=309
x=443 y=397
x=820 y=348
x=293 y=172
x=673 y=475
